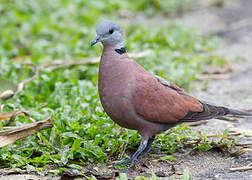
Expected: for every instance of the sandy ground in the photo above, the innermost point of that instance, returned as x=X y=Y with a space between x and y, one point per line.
x=233 y=22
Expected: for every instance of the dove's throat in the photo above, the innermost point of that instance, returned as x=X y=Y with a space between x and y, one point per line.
x=120 y=48
x=121 y=51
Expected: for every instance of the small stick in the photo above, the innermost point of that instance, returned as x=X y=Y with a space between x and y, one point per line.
x=240 y=169
x=26 y=81
x=229 y=134
x=249 y=165
x=197 y=123
x=228 y=119
x=244 y=145
x=14 y=115
x=1 y=107
x=33 y=120
x=240 y=152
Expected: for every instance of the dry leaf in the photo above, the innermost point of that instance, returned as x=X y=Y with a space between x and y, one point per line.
x=7 y=89
x=12 y=134
x=241 y=151
x=7 y=94
x=8 y=115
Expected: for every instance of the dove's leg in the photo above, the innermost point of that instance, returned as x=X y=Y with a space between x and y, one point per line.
x=141 y=148
x=148 y=147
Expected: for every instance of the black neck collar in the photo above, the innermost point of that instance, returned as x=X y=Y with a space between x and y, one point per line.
x=121 y=50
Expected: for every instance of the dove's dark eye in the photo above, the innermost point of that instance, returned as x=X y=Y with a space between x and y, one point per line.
x=111 y=31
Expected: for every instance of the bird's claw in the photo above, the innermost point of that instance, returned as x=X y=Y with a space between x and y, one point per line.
x=127 y=160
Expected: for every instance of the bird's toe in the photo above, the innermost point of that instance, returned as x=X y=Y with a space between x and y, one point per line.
x=127 y=160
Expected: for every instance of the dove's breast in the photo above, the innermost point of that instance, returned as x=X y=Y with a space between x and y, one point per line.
x=116 y=81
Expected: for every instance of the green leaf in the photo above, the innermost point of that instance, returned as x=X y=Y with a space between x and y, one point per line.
x=123 y=176
x=75 y=166
x=169 y=157
x=186 y=175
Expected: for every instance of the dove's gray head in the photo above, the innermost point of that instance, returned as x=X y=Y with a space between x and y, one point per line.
x=109 y=33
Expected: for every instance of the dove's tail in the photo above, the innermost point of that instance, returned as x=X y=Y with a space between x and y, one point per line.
x=222 y=110
x=212 y=111
x=238 y=113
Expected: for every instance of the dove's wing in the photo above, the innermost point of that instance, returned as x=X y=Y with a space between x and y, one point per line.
x=161 y=101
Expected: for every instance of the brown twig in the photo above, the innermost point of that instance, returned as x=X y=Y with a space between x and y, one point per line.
x=7 y=94
x=26 y=81
x=12 y=134
x=247 y=145
x=240 y=169
x=197 y=123
x=1 y=107
x=14 y=115
x=33 y=120
x=27 y=115
x=229 y=134
x=241 y=151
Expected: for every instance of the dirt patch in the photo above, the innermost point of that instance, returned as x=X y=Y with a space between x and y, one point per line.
x=27 y=177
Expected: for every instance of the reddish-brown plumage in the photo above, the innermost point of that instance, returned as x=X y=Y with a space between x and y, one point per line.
x=158 y=103
x=117 y=81
x=136 y=99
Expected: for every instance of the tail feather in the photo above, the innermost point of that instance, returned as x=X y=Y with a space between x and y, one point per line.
x=212 y=111
x=238 y=113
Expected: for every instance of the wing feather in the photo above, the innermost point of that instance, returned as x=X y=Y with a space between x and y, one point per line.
x=162 y=102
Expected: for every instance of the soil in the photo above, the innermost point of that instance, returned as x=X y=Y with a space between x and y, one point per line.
x=233 y=23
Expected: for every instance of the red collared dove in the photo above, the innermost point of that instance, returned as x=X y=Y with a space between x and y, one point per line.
x=136 y=99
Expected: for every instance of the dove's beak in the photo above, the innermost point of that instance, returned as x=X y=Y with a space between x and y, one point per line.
x=97 y=39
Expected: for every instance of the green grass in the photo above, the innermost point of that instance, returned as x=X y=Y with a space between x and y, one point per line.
x=44 y=30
